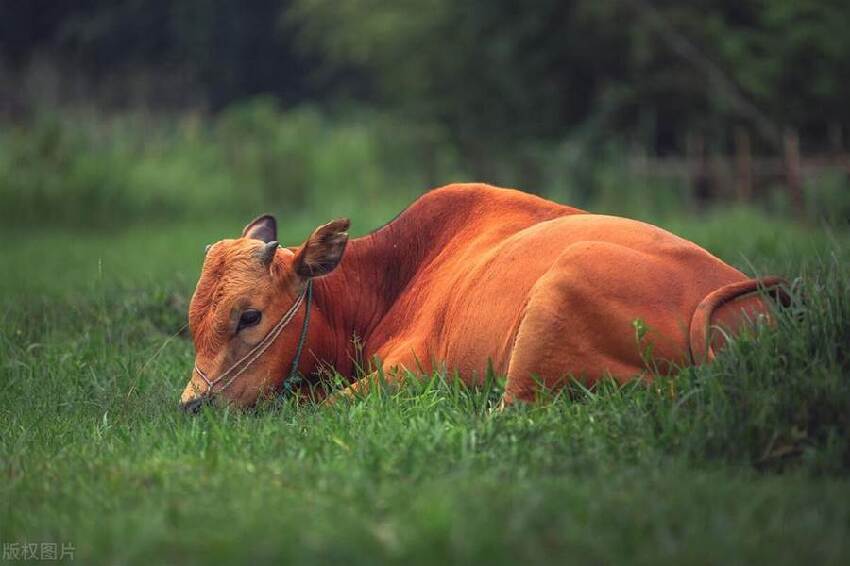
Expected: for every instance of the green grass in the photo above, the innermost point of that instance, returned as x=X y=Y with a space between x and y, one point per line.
x=745 y=461
x=103 y=227
x=88 y=172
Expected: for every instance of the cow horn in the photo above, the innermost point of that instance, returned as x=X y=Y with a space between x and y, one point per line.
x=268 y=251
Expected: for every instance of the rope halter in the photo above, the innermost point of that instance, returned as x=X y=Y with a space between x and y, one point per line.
x=254 y=354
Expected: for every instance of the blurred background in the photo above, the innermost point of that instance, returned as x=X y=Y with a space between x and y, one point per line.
x=183 y=119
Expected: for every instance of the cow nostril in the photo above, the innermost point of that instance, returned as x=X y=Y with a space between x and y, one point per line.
x=194 y=405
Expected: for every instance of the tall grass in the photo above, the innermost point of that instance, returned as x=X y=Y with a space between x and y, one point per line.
x=81 y=170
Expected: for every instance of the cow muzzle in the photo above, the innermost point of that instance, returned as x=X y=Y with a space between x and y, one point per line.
x=192 y=399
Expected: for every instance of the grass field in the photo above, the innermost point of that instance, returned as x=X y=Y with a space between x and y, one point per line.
x=103 y=224
x=742 y=462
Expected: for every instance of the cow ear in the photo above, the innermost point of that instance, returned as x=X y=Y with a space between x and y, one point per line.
x=322 y=251
x=263 y=228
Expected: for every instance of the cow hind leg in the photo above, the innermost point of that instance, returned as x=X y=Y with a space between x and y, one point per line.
x=578 y=322
x=544 y=359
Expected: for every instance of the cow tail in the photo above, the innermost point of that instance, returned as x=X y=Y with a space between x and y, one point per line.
x=730 y=307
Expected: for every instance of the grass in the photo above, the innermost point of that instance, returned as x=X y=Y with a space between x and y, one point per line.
x=744 y=461
x=103 y=226
x=83 y=171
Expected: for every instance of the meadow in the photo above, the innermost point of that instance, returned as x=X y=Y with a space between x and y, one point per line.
x=744 y=461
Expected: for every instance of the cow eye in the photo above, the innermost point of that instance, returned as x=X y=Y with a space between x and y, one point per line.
x=250 y=317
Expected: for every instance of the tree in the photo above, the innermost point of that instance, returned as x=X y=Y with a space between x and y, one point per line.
x=502 y=70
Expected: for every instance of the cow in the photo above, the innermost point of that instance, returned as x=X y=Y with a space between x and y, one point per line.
x=470 y=278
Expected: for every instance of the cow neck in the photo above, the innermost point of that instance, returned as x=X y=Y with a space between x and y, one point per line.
x=375 y=271
x=354 y=298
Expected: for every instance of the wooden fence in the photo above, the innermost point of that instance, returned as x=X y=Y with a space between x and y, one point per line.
x=742 y=176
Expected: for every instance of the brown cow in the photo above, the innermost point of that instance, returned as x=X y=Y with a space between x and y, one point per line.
x=469 y=276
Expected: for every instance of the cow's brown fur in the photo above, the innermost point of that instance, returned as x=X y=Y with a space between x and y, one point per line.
x=468 y=276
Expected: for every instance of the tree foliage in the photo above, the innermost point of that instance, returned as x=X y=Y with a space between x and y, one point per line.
x=499 y=68
x=486 y=71
x=232 y=49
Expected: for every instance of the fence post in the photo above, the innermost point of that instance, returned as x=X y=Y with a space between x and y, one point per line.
x=697 y=169
x=792 y=172
x=836 y=138
x=744 y=162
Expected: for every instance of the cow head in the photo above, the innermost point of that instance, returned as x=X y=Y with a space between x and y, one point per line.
x=247 y=286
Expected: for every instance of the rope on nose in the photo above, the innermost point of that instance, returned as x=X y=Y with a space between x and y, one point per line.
x=243 y=363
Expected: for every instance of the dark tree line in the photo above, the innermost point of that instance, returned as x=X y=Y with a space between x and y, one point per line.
x=493 y=70
x=504 y=68
x=231 y=49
